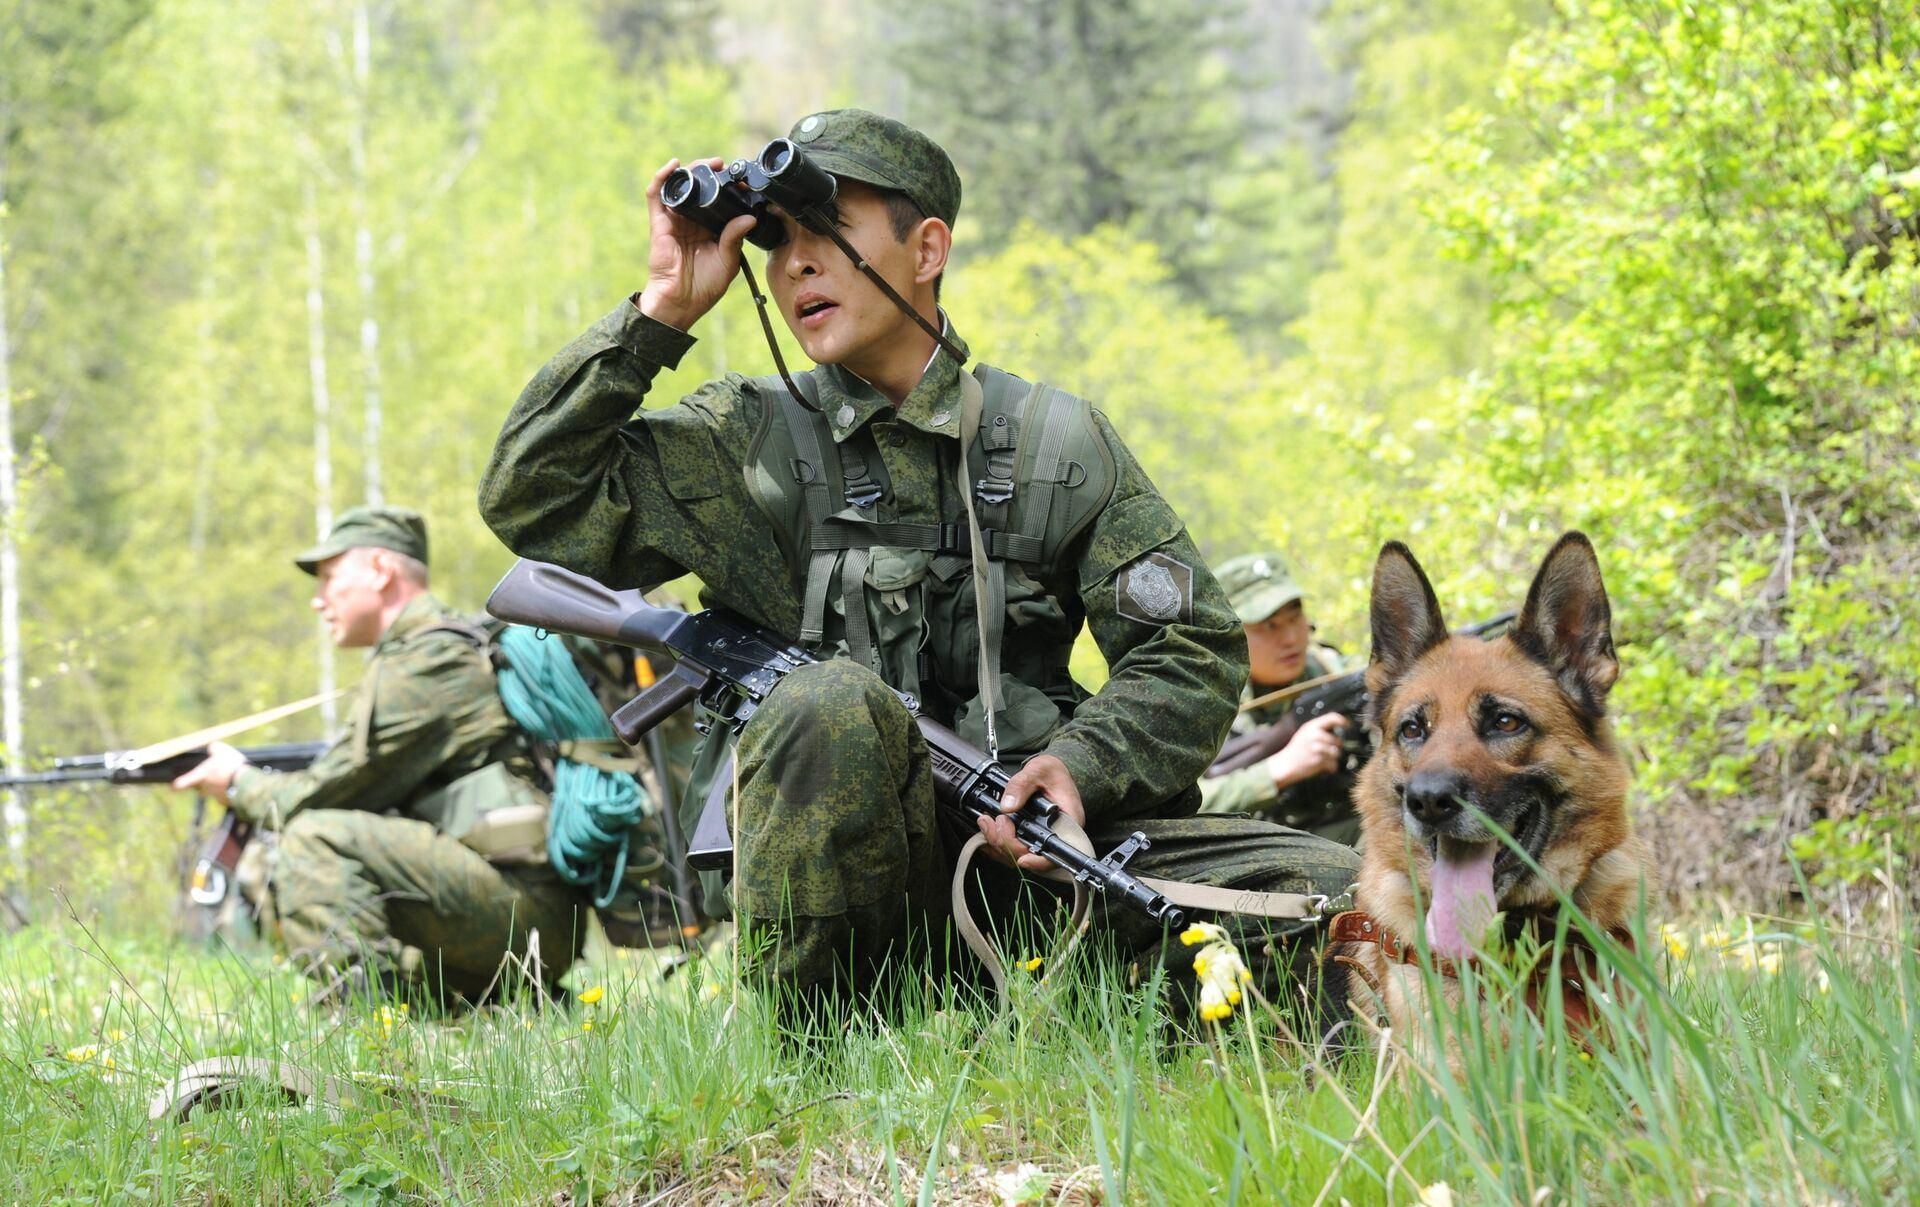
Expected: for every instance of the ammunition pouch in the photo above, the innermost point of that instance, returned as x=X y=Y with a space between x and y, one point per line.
x=493 y=812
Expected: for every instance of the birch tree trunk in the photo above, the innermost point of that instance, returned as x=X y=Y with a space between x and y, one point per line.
x=15 y=810
x=363 y=252
x=322 y=424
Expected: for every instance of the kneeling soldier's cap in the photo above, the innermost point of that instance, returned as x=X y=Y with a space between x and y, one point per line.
x=884 y=153
x=400 y=529
x=1258 y=585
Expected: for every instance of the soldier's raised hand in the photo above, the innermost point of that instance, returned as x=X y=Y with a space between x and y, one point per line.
x=688 y=270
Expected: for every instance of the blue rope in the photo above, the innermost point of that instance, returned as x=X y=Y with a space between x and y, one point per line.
x=594 y=810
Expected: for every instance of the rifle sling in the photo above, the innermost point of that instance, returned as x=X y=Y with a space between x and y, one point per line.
x=1281 y=907
x=172 y=747
x=1292 y=690
x=989 y=583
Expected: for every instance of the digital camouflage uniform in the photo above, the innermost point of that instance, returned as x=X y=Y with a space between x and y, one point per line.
x=840 y=850
x=1260 y=584
x=368 y=871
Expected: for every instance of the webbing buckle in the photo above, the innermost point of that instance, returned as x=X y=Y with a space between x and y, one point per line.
x=864 y=494
x=993 y=490
x=1339 y=903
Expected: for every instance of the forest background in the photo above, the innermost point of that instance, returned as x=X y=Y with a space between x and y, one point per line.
x=1460 y=272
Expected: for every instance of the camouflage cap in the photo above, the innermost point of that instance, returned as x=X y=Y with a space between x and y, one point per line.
x=400 y=529
x=884 y=153
x=1258 y=585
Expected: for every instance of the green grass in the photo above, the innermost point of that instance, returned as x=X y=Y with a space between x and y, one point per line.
x=1779 y=1071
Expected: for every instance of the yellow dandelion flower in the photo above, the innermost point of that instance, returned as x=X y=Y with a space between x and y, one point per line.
x=81 y=1055
x=592 y=996
x=1220 y=971
x=1676 y=941
x=116 y=1035
x=1032 y=965
x=710 y=990
x=587 y=1025
x=1201 y=932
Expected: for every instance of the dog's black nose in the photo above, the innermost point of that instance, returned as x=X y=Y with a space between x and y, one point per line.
x=1435 y=797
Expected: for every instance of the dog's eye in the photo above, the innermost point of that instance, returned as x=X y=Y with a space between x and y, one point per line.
x=1507 y=721
x=1412 y=729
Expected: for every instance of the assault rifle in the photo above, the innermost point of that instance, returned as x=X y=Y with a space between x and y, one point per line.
x=1343 y=694
x=730 y=665
x=124 y=767
x=220 y=853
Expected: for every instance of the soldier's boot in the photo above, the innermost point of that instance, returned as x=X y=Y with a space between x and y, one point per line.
x=839 y=856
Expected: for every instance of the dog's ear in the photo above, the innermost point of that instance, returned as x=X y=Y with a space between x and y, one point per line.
x=1405 y=611
x=1567 y=623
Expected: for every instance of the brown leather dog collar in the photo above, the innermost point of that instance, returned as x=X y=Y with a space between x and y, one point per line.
x=1578 y=966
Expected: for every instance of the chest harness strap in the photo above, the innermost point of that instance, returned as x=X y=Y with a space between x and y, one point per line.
x=837 y=484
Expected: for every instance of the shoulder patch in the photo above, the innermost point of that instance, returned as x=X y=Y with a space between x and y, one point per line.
x=1155 y=589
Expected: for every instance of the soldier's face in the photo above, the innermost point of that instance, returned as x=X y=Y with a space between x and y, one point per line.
x=348 y=593
x=838 y=315
x=1277 y=646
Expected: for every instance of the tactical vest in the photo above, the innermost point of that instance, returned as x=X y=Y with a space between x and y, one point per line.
x=900 y=597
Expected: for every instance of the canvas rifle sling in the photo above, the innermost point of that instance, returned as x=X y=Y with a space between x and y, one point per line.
x=1280 y=907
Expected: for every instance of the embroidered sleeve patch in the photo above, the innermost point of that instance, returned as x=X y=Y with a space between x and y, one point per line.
x=1155 y=589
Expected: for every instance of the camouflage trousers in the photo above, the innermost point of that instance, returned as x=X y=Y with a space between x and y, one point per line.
x=391 y=898
x=846 y=867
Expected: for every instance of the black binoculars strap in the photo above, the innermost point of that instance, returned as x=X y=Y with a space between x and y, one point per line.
x=815 y=220
x=773 y=344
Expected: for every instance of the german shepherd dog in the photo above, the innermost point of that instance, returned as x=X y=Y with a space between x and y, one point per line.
x=1509 y=732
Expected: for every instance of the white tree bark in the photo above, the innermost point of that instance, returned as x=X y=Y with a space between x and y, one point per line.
x=11 y=703
x=363 y=253
x=322 y=425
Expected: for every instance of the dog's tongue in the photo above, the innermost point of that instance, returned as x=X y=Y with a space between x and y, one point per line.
x=1463 y=906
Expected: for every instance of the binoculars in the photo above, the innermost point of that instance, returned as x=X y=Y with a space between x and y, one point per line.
x=781 y=174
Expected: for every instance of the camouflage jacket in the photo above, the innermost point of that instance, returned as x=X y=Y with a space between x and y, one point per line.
x=426 y=714
x=583 y=477
x=1250 y=789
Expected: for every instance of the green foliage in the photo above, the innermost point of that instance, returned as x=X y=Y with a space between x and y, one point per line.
x=1707 y=321
x=1656 y=279
x=1640 y=268
x=1120 y=117
x=1101 y=315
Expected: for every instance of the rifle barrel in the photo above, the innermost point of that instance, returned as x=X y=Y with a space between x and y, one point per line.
x=112 y=767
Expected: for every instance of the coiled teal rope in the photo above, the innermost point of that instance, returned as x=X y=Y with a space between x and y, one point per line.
x=594 y=810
